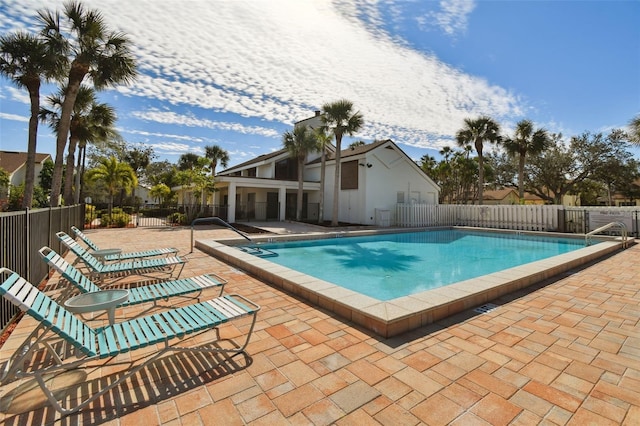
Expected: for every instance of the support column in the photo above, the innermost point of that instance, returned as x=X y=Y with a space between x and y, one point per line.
x=231 y=212
x=282 y=201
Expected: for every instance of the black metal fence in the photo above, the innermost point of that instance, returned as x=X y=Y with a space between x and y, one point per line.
x=22 y=234
x=184 y=214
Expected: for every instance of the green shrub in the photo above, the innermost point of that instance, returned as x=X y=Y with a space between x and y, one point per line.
x=177 y=218
x=117 y=219
x=89 y=213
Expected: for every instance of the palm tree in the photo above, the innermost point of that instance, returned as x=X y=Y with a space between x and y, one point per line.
x=634 y=127
x=27 y=60
x=525 y=141
x=217 y=156
x=300 y=143
x=338 y=118
x=139 y=159
x=90 y=122
x=187 y=161
x=95 y=51
x=323 y=140
x=428 y=164
x=160 y=193
x=476 y=132
x=114 y=175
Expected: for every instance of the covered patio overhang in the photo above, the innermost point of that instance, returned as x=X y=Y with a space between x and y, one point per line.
x=231 y=186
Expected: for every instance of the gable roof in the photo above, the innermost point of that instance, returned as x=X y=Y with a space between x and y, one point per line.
x=498 y=194
x=11 y=161
x=259 y=159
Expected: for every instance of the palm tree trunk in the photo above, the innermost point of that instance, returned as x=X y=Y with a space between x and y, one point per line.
x=68 y=183
x=79 y=171
x=480 y=178
x=30 y=172
x=300 y=191
x=322 y=178
x=63 y=132
x=521 y=178
x=336 y=183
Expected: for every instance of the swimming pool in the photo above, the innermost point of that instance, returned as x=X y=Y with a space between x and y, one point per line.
x=392 y=317
x=388 y=266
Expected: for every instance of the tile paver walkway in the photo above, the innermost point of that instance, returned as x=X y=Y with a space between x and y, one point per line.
x=566 y=352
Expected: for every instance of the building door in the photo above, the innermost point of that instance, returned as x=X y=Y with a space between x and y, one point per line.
x=290 y=206
x=272 y=206
x=251 y=205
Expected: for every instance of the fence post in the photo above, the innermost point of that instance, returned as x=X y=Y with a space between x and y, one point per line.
x=562 y=217
x=27 y=246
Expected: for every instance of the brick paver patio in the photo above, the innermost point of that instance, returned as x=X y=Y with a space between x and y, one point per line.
x=566 y=352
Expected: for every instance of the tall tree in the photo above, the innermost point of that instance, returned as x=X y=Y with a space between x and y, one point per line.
x=90 y=122
x=28 y=60
x=525 y=141
x=188 y=161
x=634 y=130
x=559 y=169
x=477 y=132
x=299 y=144
x=429 y=165
x=114 y=175
x=324 y=141
x=139 y=158
x=93 y=50
x=216 y=155
x=339 y=119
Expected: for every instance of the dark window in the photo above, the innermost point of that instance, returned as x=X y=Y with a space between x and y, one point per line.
x=251 y=172
x=287 y=169
x=349 y=175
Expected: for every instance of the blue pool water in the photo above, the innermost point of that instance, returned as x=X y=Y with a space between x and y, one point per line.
x=387 y=266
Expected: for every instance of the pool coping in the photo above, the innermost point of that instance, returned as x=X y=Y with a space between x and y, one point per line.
x=398 y=316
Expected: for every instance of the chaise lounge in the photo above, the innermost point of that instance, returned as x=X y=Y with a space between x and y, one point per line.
x=164 y=266
x=90 y=344
x=113 y=254
x=191 y=287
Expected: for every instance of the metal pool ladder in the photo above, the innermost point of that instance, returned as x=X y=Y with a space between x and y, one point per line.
x=219 y=221
x=623 y=233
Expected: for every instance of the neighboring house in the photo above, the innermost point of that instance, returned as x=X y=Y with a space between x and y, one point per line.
x=509 y=196
x=15 y=163
x=374 y=178
x=619 y=199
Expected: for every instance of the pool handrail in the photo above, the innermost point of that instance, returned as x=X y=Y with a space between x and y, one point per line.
x=623 y=231
x=220 y=222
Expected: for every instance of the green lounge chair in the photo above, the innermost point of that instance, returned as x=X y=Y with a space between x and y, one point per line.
x=165 y=266
x=113 y=254
x=184 y=287
x=89 y=344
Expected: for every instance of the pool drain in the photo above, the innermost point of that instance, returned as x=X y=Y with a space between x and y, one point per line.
x=485 y=308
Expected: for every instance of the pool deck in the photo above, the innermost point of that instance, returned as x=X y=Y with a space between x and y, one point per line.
x=564 y=351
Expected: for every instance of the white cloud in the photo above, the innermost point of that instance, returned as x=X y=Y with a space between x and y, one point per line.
x=20 y=95
x=171 y=148
x=279 y=60
x=14 y=117
x=162 y=135
x=453 y=16
x=167 y=117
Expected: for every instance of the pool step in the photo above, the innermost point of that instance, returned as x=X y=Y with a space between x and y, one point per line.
x=257 y=251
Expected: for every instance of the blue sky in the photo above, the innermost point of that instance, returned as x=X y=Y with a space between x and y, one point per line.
x=239 y=73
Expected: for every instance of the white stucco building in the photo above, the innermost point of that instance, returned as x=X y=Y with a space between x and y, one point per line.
x=374 y=178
